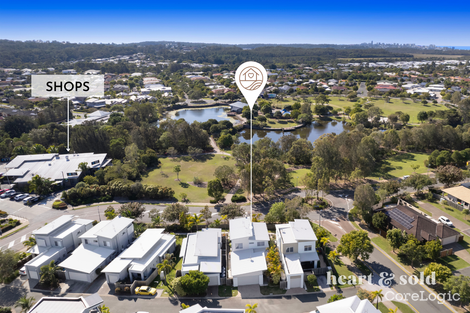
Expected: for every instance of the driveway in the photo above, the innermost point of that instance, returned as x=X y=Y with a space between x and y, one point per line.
x=438 y=212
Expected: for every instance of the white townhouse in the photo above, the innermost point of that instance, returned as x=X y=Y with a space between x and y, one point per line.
x=296 y=242
x=100 y=245
x=201 y=251
x=54 y=241
x=88 y=304
x=248 y=255
x=351 y=305
x=140 y=260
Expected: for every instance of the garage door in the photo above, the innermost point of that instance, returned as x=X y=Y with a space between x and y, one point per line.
x=78 y=276
x=449 y=240
x=33 y=275
x=213 y=280
x=295 y=281
x=248 y=280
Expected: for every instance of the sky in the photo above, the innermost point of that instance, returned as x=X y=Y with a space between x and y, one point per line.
x=235 y=22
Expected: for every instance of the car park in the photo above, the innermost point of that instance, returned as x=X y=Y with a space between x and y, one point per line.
x=446 y=221
x=145 y=291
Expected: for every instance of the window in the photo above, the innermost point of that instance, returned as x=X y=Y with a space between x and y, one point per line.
x=58 y=243
x=261 y=244
x=251 y=243
x=107 y=243
x=308 y=248
x=86 y=241
x=289 y=249
x=239 y=246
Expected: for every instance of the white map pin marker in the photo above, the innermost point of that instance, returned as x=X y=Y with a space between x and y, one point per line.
x=251 y=77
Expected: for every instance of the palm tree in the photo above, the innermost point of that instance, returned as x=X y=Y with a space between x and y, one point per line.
x=165 y=266
x=324 y=241
x=334 y=255
x=392 y=310
x=49 y=274
x=25 y=303
x=31 y=242
x=377 y=295
x=251 y=308
x=195 y=220
x=171 y=258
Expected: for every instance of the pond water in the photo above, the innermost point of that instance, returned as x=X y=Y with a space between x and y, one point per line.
x=310 y=132
x=203 y=114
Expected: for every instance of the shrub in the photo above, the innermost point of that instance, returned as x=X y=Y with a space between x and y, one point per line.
x=3 y=213
x=197 y=181
x=59 y=205
x=312 y=279
x=127 y=290
x=178 y=287
x=195 y=283
x=213 y=201
x=238 y=198
x=117 y=290
x=429 y=196
x=5 y=310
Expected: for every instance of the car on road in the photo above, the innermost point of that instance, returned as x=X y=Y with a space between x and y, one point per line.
x=445 y=220
x=22 y=271
x=145 y=291
x=7 y=194
x=21 y=197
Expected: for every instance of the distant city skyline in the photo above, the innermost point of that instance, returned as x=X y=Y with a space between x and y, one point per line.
x=344 y=22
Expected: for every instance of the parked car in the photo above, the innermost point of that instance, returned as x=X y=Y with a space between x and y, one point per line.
x=31 y=200
x=445 y=220
x=21 y=196
x=145 y=291
x=22 y=271
x=406 y=177
x=2 y=191
x=12 y=195
x=7 y=194
x=27 y=199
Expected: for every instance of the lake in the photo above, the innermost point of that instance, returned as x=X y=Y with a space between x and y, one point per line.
x=311 y=132
x=203 y=114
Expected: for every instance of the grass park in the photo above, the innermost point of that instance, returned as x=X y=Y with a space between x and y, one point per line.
x=400 y=164
x=405 y=106
x=202 y=167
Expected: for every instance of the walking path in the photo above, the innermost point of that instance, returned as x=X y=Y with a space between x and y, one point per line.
x=229 y=195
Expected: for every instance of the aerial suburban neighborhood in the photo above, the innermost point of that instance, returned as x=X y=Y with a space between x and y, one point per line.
x=336 y=180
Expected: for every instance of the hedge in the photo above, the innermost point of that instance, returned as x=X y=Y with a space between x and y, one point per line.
x=238 y=198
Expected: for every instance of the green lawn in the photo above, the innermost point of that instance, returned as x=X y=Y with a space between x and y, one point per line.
x=157 y=283
x=203 y=168
x=453 y=262
x=228 y=291
x=404 y=308
x=383 y=308
x=297 y=175
x=399 y=165
x=351 y=219
x=406 y=106
x=275 y=123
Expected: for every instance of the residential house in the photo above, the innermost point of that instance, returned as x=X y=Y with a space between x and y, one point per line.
x=70 y=71
x=248 y=255
x=424 y=228
x=54 y=241
x=95 y=103
x=201 y=251
x=459 y=195
x=351 y=305
x=82 y=304
x=99 y=246
x=297 y=247
x=141 y=258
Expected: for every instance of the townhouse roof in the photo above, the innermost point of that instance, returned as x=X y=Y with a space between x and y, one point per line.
x=108 y=229
x=459 y=192
x=350 y=305
x=247 y=261
x=86 y=258
x=54 y=225
x=66 y=304
x=244 y=228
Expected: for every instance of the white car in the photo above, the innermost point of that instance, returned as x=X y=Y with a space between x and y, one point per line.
x=21 y=197
x=445 y=220
x=22 y=271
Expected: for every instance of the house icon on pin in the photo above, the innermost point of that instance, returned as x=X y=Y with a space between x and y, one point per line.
x=250 y=75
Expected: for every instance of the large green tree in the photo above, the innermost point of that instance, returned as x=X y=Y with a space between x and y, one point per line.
x=195 y=283
x=356 y=244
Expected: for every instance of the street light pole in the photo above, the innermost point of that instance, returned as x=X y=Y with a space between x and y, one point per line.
x=99 y=213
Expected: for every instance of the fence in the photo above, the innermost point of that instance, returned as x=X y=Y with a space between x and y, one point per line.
x=455 y=205
x=447 y=252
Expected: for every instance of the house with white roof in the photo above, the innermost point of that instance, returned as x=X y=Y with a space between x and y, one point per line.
x=201 y=251
x=296 y=242
x=54 y=241
x=351 y=305
x=248 y=255
x=99 y=246
x=139 y=260
x=54 y=166
x=82 y=304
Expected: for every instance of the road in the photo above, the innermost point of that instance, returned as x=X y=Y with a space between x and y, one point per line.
x=362 y=91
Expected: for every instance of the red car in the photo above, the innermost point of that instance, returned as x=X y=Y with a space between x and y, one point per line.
x=3 y=191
